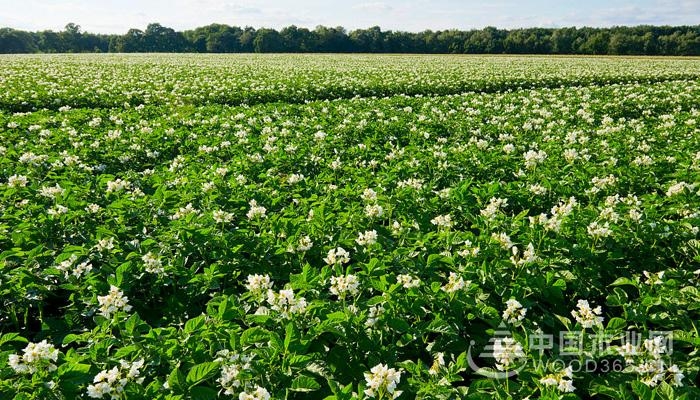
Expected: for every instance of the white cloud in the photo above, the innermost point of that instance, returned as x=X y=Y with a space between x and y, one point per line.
x=373 y=7
x=117 y=16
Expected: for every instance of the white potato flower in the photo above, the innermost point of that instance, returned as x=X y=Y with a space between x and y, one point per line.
x=382 y=380
x=587 y=316
x=113 y=302
x=35 y=357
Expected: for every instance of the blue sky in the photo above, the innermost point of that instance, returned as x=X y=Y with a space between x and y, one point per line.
x=117 y=16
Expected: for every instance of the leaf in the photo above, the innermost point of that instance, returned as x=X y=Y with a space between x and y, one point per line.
x=195 y=324
x=304 y=383
x=439 y=325
x=291 y=336
x=132 y=323
x=227 y=310
x=617 y=298
x=616 y=323
x=69 y=370
x=565 y=321
x=433 y=259
x=622 y=281
x=398 y=325
x=122 y=270
x=335 y=317
x=73 y=376
x=71 y=338
x=12 y=337
x=642 y=390
x=201 y=372
x=255 y=334
x=666 y=391
x=203 y=393
x=176 y=380
x=125 y=351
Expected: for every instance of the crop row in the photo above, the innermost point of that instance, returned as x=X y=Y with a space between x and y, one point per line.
x=351 y=248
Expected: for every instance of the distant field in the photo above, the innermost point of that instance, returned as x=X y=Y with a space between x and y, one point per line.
x=349 y=226
x=174 y=79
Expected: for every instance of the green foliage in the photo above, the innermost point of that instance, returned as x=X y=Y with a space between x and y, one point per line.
x=313 y=227
x=219 y=38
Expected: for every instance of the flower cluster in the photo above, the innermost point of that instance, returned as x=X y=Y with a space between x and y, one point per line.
x=648 y=362
x=286 y=303
x=17 y=181
x=113 y=302
x=258 y=393
x=256 y=211
x=367 y=238
x=514 y=312
x=153 y=263
x=454 y=283
x=507 y=352
x=337 y=256
x=70 y=268
x=35 y=357
x=381 y=382
x=494 y=206
x=233 y=364
x=258 y=285
x=587 y=316
x=112 y=382
x=561 y=380
x=442 y=221
x=408 y=281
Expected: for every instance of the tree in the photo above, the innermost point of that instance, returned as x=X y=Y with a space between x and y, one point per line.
x=597 y=43
x=369 y=40
x=158 y=38
x=14 y=41
x=220 y=38
x=332 y=40
x=130 y=42
x=71 y=37
x=268 y=41
x=246 y=39
x=50 y=42
x=563 y=40
x=488 y=40
x=297 y=39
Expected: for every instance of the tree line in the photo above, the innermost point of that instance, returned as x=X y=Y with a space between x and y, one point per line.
x=219 y=38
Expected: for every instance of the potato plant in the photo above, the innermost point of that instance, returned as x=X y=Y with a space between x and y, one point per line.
x=349 y=227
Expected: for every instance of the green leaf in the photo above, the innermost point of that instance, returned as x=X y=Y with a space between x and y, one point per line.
x=622 y=281
x=121 y=272
x=337 y=316
x=291 y=336
x=303 y=383
x=616 y=323
x=398 y=325
x=195 y=324
x=125 y=351
x=255 y=334
x=642 y=390
x=565 y=321
x=203 y=393
x=132 y=323
x=73 y=370
x=227 y=310
x=71 y=338
x=12 y=337
x=201 y=372
x=176 y=380
x=434 y=259
x=666 y=391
